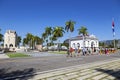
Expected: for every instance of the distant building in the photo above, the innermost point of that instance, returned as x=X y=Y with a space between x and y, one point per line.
x=89 y=41
x=111 y=43
x=10 y=39
x=118 y=44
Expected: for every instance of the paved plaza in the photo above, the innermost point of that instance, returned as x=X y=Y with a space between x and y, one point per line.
x=60 y=67
x=107 y=70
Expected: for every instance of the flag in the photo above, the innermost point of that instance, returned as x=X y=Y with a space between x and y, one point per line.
x=113 y=25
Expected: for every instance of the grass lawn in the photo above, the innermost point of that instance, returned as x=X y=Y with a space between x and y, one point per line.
x=57 y=52
x=14 y=55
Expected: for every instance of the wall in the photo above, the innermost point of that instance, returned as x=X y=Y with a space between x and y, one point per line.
x=87 y=43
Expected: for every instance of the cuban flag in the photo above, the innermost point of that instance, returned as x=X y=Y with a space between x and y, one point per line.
x=113 y=25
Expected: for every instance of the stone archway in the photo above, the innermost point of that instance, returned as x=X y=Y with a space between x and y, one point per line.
x=11 y=45
x=73 y=45
x=78 y=45
x=6 y=45
x=92 y=44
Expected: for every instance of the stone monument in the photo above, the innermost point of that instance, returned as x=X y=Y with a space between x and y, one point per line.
x=10 y=39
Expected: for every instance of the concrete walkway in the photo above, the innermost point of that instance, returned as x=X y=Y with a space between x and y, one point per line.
x=104 y=70
x=2 y=56
x=41 y=54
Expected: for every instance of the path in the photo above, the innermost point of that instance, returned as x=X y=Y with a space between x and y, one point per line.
x=24 y=66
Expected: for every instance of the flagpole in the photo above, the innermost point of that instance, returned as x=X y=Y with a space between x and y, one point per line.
x=114 y=41
x=113 y=25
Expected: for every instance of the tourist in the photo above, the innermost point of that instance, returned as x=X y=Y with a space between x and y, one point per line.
x=71 y=51
x=68 y=52
x=79 y=52
x=76 y=52
x=83 y=51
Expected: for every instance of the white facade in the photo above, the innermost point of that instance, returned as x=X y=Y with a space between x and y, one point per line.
x=10 y=39
x=89 y=42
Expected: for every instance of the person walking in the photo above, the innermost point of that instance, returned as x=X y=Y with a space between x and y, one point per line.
x=83 y=51
x=71 y=52
x=76 y=52
x=68 y=52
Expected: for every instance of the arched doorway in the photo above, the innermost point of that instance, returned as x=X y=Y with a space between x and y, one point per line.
x=92 y=44
x=6 y=45
x=78 y=45
x=11 y=45
x=73 y=45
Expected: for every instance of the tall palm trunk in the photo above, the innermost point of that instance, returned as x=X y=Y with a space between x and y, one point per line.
x=83 y=41
x=59 y=45
x=69 y=40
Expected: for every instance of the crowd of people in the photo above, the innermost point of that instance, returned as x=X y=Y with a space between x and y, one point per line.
x=89 y=51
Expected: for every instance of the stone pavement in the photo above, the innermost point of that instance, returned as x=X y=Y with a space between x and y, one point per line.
x=41 y=54
x=102 y=70
x=3 y=56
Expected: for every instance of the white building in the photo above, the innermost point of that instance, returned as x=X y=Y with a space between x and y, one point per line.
x=10 y=38
x=89 y=41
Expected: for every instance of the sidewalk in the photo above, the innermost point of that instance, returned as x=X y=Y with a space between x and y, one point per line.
x=2 y=56
x=104 y=70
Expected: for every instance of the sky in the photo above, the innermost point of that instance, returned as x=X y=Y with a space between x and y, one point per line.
x=32 y=16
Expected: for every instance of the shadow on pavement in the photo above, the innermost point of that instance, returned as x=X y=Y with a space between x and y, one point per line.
x=114 y=73
x=18 y=74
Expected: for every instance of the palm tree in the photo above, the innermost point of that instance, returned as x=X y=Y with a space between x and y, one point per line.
x=1 y=36
x=44 y=36
x=69 y=26
x=25 y=41
x=58 y=32
x=53 y=38
x=18 y=40
x=30 y=39
x=48 y=31
x=37 y=40
x=83 y=31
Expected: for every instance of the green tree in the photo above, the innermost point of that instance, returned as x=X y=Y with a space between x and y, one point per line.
x=25 y=42
x=48 y=31
x=30 y=39
x=1 y=36
x=69 y=27
x=83 y=31
x=58 y=32
x=38 y=40
x=18 y=40
x=101 y=44
x=53 y=38
x=44 y=36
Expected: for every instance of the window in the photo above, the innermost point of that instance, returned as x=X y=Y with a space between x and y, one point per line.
x=78 y=45
x=73 y=45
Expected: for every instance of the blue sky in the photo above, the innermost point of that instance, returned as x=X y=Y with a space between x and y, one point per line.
x=33 y=16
